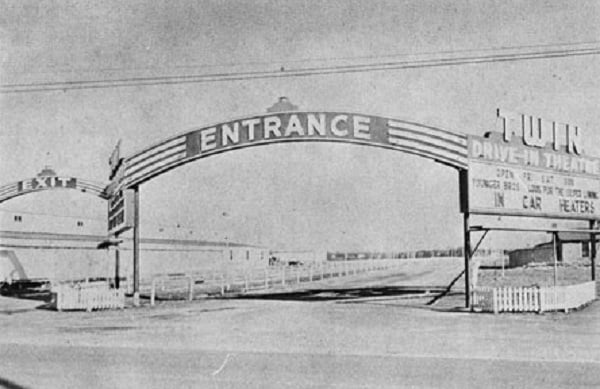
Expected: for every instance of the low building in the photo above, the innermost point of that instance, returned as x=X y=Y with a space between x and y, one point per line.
x=571 y=247
x=542 y=253
x=73 y=254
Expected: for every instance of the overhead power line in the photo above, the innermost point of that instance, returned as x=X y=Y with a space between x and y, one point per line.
x=328 y=59
x=301 y=72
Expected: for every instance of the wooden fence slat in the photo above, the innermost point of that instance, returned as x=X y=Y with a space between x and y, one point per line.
x=533 y=299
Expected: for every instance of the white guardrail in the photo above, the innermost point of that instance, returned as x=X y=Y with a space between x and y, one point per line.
x=242 y=280
x=533 y=299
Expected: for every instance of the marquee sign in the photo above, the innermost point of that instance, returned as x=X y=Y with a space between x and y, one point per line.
x=532 y=169
x=120 y=211
x=442 y=146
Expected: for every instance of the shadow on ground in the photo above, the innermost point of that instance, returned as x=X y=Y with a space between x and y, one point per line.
x=345 y=293
x=8 y=384
x=30 y=290
x=26 y=290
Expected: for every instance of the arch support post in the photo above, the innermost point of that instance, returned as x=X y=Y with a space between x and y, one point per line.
x=463 y=180
x=136 y=246
x=593 y=250
x=467 y=251
x=117 y=260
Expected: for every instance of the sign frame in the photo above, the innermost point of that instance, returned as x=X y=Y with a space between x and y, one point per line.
x=121 y=212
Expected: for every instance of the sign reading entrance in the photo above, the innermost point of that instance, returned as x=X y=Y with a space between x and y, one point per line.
x=533 y=172
x=329 y=126
x=440 y=145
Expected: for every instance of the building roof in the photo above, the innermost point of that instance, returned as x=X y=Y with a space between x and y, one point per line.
x=96 y=239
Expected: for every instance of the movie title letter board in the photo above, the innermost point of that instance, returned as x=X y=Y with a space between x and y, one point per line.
x=513 y=178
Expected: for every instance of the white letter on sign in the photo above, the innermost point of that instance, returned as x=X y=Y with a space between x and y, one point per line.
x=316 y=125
x=228 y=134
x=361 y=127
x=208 y=139
x=334 y=125
x=250 y=123
x=476 y=149
x=509 y=123
x=532 y=131
x=40 y=182
x=271 y=125
x=574 y=140
x=294 y=126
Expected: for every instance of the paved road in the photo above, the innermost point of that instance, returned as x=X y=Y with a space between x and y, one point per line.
x=374 y=342
x=102 y=367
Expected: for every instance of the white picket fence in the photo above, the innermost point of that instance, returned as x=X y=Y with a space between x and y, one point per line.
x=257 y=279
x=87 y=296
x=533 y=299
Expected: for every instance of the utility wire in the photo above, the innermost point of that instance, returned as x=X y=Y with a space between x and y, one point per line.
x=300 y=72
x=51 y=70
x=295 y=72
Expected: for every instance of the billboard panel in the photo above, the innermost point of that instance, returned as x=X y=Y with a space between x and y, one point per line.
x=509 y=178
x=120 y=211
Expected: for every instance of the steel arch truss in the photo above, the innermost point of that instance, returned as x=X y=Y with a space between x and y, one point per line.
x=42 y=183
x=442 y=146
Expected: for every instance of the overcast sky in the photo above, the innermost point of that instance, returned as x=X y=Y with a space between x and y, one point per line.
x=299 y=195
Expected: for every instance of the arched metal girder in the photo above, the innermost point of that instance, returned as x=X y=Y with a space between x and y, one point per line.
x=48 y=180
x=442 y=146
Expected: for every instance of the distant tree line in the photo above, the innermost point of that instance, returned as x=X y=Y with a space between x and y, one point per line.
x=361 y=255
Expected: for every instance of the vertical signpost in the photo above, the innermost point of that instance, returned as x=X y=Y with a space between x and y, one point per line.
x=122 y=208
x=464 y=206
x=117 y=265
x=467 y=249
x=593 y=249
x=531 y=167
x=136 y=246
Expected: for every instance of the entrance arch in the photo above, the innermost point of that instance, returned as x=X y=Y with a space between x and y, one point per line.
x=128 y=173
x=442 y=146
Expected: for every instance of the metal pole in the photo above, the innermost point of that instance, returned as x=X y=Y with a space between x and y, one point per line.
x=555 y=259
x=229 y=253
x=117 y=263
x=153 y=292
x=593 y=250
x=136 y=245
x=463 y=185
x=467 y=250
